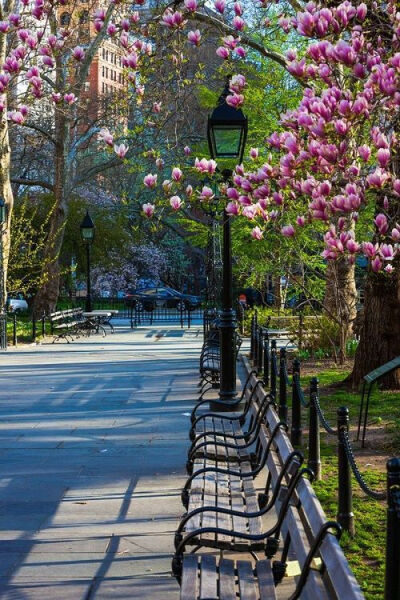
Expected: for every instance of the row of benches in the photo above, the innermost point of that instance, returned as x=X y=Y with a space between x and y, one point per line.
x=227 y=515
x=73 y=322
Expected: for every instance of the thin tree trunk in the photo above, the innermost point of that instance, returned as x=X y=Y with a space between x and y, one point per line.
x=47 y=296
x=341 y=299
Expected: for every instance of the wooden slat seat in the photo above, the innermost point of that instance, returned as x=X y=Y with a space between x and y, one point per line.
x=216 y=448
x=66 y=323
x=225 y=491
x=206 y=577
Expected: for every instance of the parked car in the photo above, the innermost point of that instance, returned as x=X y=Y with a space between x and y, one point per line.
x=150 y=298
x=16 y=303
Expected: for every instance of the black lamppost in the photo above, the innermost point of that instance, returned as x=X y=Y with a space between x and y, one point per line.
x=87 y=234
x=226 y=134
x=3 y=316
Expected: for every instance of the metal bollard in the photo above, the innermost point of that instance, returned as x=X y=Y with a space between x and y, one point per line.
x=43 y=325
x=314 y=451
x=14 y=329
x=296 y=432
x=266 y=359
x=33 y=329
x=392 y=563
x=260 y=349
x=283 y=408
x=252 y=337
x=273 y=369
x=345 y=514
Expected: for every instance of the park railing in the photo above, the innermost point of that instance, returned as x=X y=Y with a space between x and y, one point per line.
x=271 y=362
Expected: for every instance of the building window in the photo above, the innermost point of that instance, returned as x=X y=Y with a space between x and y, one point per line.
x=103 y=52
x=102 y=87
x=65 y=19
x=102 y=70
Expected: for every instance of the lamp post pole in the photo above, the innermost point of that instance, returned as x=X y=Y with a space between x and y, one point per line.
x=226 y=134
x=88 y=304
x=87 y=233
x=227 y=391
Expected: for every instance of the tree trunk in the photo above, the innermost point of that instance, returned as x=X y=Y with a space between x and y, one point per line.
x=341 y=299
x=47 y=295
x=380 y=328
x=5 y=184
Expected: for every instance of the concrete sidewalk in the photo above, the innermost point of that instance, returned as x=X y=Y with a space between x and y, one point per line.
x=93 y=439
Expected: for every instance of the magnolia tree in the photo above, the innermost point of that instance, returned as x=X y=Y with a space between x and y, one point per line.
x=337 y=159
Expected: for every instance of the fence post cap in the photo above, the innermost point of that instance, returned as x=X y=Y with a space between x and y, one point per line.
x=343 y=411
x=393 y=465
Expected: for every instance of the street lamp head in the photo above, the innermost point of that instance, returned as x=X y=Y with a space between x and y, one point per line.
x=87 y=228
x=226 y=130
x=3 y=214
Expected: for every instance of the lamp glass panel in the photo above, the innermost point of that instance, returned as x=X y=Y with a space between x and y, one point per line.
x=227 y=140
x=87 y=233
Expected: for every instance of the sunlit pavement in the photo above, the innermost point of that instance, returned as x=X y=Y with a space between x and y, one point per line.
x=93 y=438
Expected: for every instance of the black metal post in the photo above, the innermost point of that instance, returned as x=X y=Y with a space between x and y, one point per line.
x=392 y=565
x=43 y=325
x=283 y=409
x=14 y=329
x=273 y=368
x=33 y=328
x=256 y=334
x=88 y=304
x=266 y=359
x=296 y=432
x=345 y=514
x=252 y=326
x=260 y=349
x=314 y=452
x=227 y=329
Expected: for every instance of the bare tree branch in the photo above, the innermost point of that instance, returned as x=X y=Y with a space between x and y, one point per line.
x=33 y=182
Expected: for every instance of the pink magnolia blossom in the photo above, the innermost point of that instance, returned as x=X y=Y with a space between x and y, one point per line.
x=176 y=174
x=194 y=37
x=383 y=156
x=250 y=211
x=381 y=223
x=107 y=137
x=300 y=220
x=150 y=180
x=376 y=264
x=206 y=194
x=387 y=252
x=78 y=53
x=187 y=151
x=240 y=51
x=205 y=166
x=389 y=268
x=220 y=6
x=121 y=150
x=173 y=20
x=253 y=153
x=156 y=107
x=396 y=187
x=288 y=231
x=238 y=8
x=396 y=233
x=237 y=83
x=232 y=208
x=70 y=98
x=235 y=100
x=256 y=233
x=238 y=23
x=365 y=152
x=222 y=52
x=378 y=178
x=16 y=116
x=189 y=190
x=191 y=5
x=232 y=193
x=175 y=202
x=148 y=209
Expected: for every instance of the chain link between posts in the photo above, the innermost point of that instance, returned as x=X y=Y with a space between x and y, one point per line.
x=356 y=472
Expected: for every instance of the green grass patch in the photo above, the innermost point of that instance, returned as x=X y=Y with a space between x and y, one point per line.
x=366 y=551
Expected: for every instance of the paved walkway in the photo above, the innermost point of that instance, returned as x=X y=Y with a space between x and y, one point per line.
x=93 y=438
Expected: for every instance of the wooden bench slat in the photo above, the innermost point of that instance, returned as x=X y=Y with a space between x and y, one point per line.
x=247 y=584
x=266 y=586
x=208 y=577
x=227 y=580
x=189 y=587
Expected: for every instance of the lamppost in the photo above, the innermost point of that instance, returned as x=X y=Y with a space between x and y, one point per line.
x=3 y=315
x=226 y=134
x=87 y=234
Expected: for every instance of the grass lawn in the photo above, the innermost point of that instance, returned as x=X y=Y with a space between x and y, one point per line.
x=366 y=551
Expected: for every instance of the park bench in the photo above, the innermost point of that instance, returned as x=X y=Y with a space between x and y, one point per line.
x=210 y=361
x=310 y=552
x=67 y=323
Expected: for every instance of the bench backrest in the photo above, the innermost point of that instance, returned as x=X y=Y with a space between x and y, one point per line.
x=304 y=521
x=65 y=315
